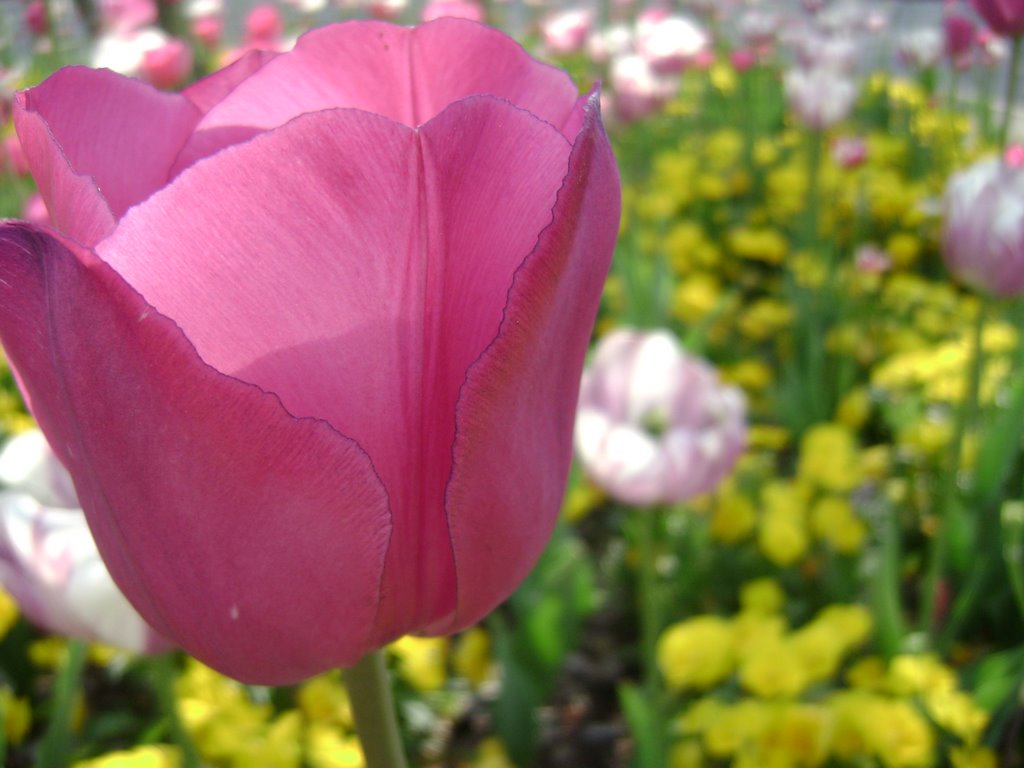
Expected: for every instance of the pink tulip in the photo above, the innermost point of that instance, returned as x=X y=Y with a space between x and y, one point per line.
x=48 y=559
x=960 y=37
x=169 y=65
x=850 y=151
x=654 y=424
x=1005 y=17
x=454 y=9
x=308 y=336
x=35 y=18
x=208 y=30
x=264 y=27
x=983 y=229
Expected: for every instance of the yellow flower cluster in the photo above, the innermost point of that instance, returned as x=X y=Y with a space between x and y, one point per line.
x=756 y=646
x=894 y=715
x=788 y=515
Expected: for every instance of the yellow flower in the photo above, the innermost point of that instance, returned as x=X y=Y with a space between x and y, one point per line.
x=782 y=532
x=696 y=297
x=8 y=612
x=733 y=517
x=829 y=458
x=820 y=649
x=797 y=735
x=769 y=437
x=492 y=755
x=855 y=408
x=834 y=522
x=868 y=673
x=899 y=736
x=957 y=712
x=471 y=658
x=904 y=248
x=782 y=538
x=764 y=596
x=16 y=716
x=973 y=757
x=764 y=318
x=724 y=148
x=686 y=754
x=421 y=661
x=696 y=653
x=758 y=244
x=723 y=77
x=751 y=374
x=774 y=670
x=581 y=500
x=327 y=747
x=920 y=674
x=323 y=699
x=152 y=756
x=752 y=631
x=852 y=623
x=738 y=726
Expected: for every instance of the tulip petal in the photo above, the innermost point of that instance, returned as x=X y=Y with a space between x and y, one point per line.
x=253 y=539
x=98 y=143
x=504 y=494
x=205 y=94
x=407 y=74
x=367 y=269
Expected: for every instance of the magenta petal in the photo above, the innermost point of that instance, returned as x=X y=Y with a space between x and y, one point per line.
x=253 y=539
x=515 y=414
x=97 y=140
x=409 y=75
x=205 y=94
x=366 y=269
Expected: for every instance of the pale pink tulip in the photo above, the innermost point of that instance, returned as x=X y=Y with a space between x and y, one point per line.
x=654 y=424
x=983 y=228
x=308 y=335
x=819 y=97
x=566 y=31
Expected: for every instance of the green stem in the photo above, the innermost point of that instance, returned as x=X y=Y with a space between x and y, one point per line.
x=650 y=625
x=373 y=707
x=1011 y=92
x=164 y=669
x=55 y=747
x=948 y=489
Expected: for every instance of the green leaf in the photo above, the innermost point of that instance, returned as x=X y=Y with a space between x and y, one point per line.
x=645 y=724
x=999 y=447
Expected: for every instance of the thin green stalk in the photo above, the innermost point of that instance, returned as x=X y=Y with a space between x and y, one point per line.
x=650 y=624
x=55 y=747
x=164 y=669
x=948 y=489
x=1012 y=81
x=373 y=707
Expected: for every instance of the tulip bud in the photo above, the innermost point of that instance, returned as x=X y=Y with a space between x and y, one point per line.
x=169 y=65
x=983 y=230
x=654 y=424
